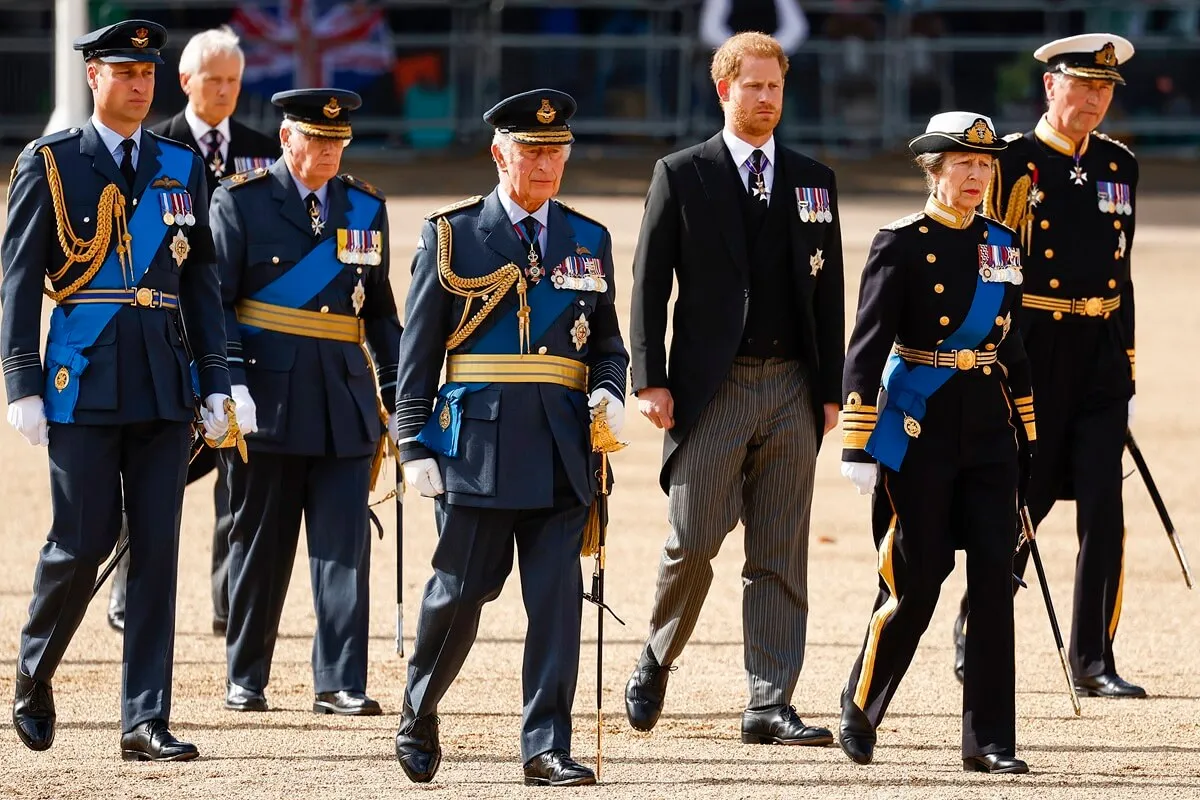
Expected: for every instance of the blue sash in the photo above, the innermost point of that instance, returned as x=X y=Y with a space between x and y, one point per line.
x=909 y=387
x=311 y=274
x=546 y=305
x=71 y=334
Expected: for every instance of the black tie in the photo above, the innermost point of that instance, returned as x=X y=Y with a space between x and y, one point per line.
x=314 y=213
x=531 y=235
x=127 y=170
x=212 y=141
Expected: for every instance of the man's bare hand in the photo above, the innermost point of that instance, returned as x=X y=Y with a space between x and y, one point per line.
x=658 y=406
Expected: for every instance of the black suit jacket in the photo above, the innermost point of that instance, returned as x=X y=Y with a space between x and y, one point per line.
x=244 y=142
x=692 y=231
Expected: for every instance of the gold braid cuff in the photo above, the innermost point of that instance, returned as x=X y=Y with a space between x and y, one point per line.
x=491 y=288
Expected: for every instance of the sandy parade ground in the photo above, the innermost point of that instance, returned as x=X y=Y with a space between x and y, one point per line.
x=1120 y=749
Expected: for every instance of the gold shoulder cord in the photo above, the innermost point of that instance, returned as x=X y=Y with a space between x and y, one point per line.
x=492 y=287
x=110 y=208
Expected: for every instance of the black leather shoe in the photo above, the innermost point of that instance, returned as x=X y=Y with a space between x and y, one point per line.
x=346 y=703
x=960 y=646
x=151 y=741
x=239 y=698
x=116 y=619
x=33 y=712
x=417 y=747
x=220 y=626
x=646 y=690
x=781 y=725
x=557 y=768
x=995 y=764
x=856 y=735
x=1111 y=685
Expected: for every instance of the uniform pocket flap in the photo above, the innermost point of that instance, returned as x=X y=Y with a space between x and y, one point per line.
x=275 y=254
x=484 y=404
x=277 y=355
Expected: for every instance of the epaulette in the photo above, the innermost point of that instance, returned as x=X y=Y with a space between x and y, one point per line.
x=998 y=222
x=456 y=206
x=903 y=222
x=54 y=138
x=242 y=178
x=1118 y=143
x=578 y=213
x=1012 y=137
x=361 y=185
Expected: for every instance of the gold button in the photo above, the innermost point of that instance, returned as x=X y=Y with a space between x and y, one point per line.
x=1045 y=224
x=1112 y=283
x=1117 y=224
x=985 y=233
x=1031 y=165
x=931 y=258
x=1112 y=165
x=944 y=320
x=987 y=370
x=1107 y=314
x=324 y=309
x=1054 y=283
x=937 y=287
x=989 y=346
x=1049 y=253
x=999 y=320
x=1057 y=315
x=542 y=350
x=923 y=229
x=939 y=341
x=359 y=270
x=274 y=259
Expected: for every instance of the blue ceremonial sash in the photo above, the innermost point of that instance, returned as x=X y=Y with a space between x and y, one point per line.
x=71 y=334
x=546 y=305
x=311 y=274
x=909 y=387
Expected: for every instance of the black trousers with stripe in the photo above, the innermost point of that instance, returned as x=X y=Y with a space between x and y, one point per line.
x=937 y=504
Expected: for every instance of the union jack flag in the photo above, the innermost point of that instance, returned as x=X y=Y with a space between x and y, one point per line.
x=300 y=44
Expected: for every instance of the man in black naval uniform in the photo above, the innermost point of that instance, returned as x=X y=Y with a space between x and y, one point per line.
x=304 y=279
x=210 y=72
x=514 y=293
x=1068 y=190
x=117 y=218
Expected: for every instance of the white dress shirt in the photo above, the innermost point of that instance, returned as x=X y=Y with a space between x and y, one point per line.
x=200 y=129
x=112 y=140
x=517 y=214
x=741 y=151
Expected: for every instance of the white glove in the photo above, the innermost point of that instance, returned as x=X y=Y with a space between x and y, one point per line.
x=863 y=476
x=615 y=411
x=423 y=475
x=393 y=428
x=247 y=412
x=1132 y=405
x=28 y=416
x=213 y=416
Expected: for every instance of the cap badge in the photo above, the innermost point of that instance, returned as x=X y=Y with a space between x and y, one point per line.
x=140 y=38
x=980 y=133
x=546 y=113
x=331 y=109
x=1107 y=55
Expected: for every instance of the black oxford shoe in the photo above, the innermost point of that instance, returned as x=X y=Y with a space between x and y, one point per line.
x=995 y=764
x=856 y=735
x=347 y=704
x=557 y=768
x=1111 y=685
x=33 y=712
x=151 y=741
x=781 y=725
x=417 y=747
x=219 y=626
x=960 y=646
x=239 y=698
x=646 y=691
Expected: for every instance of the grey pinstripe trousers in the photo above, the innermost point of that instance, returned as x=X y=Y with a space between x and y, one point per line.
x=751 y=455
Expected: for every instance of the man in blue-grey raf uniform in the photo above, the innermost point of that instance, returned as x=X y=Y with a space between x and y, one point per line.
x=514 y=293
x=111 y=222
x=304 y=279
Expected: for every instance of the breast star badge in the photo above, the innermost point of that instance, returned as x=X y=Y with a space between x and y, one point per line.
x=180 y=247
x=580 y=332
x=817 y=262
x=358 y=296
x=1078 y=175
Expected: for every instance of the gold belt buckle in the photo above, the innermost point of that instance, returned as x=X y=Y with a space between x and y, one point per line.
x=1093 y=306
x=965 y=359
x=143 y=298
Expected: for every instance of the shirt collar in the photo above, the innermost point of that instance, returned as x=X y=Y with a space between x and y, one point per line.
x=516 y=213
x=1057 y=141
x=741 y=150
x=112 y=140
x=200 y=128
x=950 y=217
x=304 y=191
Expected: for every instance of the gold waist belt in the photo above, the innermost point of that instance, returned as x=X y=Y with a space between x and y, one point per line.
x=517 y=369
x=140 y=297
x=1083 y=306
x=314 y=324
x=954 y=359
